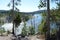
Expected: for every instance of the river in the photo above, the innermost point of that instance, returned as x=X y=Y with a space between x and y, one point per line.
x=35 y=22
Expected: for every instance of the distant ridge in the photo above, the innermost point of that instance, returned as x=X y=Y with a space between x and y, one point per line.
x=39 y=11
x=3 y=11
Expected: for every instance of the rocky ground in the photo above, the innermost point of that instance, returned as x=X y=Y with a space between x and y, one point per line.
x=9 y=37
x=5 y=38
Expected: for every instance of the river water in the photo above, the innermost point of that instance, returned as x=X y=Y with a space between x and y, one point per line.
x=35 y=22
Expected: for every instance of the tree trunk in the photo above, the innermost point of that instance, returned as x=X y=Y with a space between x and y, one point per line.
x=31 y=19
x=13 y=17
x=13 y=29
x=48 y=20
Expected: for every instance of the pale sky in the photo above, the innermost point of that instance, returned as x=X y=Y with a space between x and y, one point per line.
x=26 y=5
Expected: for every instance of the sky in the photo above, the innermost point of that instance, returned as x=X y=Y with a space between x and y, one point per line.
x=26 y=5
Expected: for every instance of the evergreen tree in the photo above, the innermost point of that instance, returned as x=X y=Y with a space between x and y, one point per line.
x=43 y=4
x=24 y=30
x=14 y=4
x=31 y=30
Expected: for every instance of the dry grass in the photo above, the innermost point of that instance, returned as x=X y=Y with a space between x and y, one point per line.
x=41 y=36
x=37 y=37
